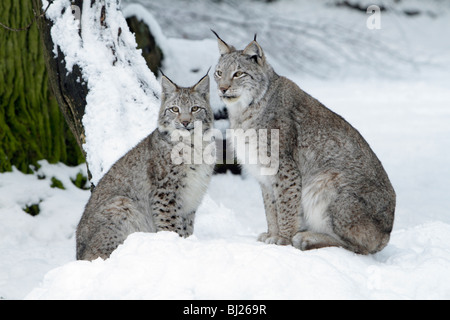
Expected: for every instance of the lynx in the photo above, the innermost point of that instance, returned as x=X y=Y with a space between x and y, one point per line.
x=330 y=189
x=144 y=191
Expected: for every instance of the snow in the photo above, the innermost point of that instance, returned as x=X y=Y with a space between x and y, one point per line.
x=31 y=246
x=404 y=119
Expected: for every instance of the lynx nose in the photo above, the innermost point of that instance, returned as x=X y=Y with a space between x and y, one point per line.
x=185 y=123
x=224 y=88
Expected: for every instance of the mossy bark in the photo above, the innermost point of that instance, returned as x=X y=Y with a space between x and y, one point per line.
x=31 y=125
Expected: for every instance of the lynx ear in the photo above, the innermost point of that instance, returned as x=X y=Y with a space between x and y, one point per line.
x=203 y=86
x=255 y=51
x=167 y=85
x=224 y=48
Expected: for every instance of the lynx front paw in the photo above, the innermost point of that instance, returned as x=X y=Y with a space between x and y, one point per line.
x=263 y=236
x=270 y=239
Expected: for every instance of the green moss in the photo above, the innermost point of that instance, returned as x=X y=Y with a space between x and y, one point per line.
x=31 y=125
x=80 y=181
x=32 y=209
x=57 y=184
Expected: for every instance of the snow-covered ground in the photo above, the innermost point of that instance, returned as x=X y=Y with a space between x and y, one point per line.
x=405 y=119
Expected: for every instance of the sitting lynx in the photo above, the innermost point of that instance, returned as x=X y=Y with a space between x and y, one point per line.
x=145 y=191
x=330 y=188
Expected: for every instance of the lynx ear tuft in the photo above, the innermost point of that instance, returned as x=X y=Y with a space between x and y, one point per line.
x=168 y=86
x=202 y=85
x=255 y=51
x=224 y=48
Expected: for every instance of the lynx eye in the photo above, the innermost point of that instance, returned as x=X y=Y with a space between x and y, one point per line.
x=239 y=74
x=218 y=73
x=195 y=109
x=174 y=109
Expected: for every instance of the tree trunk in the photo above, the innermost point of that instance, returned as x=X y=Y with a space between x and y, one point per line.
x=71 y=88
x=69 y=91
x=151 y=52
x=31 y=124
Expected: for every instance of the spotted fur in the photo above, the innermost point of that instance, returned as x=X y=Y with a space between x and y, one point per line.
x=145 y=191
x=330 y=188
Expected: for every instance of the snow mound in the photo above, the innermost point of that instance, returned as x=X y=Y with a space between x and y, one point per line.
x=165 y=266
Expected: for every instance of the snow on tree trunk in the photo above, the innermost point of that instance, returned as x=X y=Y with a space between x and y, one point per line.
x=110 y=96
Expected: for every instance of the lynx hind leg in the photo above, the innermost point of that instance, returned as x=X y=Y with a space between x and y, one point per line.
x=363 y=221
x=109 y=228
x=361 y=237
x=308 y=240
x=353 y=228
